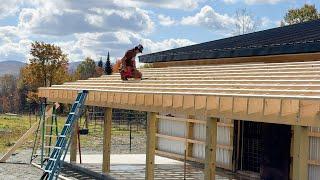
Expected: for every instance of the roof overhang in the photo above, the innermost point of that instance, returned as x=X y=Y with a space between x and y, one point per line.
x=283 y=93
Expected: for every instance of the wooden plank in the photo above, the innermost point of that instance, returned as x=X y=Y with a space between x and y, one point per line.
x=210 y=149
x=189 y=146
x=255 y=106
x=177 y=101
x=140 y=99
x=151 y=145
x=74 y=143
x=314 y=162
x=314 y=134
x=181 y=119
x=226 y=104
x=132 y=99
x=300 y=153
x=272 y=107
x=107 y=127
x=200 y=103
x=158 y=99
x=148 y=100
x=188 y=102
x=117 y=98
x=212 y=104
x=104 y=97
x=240 y=105
x=124 y=98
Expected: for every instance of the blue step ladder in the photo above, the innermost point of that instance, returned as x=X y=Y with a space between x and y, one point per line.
x=60 y=150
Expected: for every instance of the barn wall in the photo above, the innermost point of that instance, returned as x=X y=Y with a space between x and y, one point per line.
x=179 y=129
x=314 y=154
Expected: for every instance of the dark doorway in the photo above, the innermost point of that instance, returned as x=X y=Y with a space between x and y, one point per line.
x=264 y=149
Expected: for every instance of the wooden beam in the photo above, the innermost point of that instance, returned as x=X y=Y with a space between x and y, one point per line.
x=210 y=149
x=300 y=153
x=74 y=143
x=151 y=145
x=189 y=145
x=107 y=127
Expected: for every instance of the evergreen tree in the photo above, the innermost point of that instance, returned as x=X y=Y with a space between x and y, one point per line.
x=100 y=63
x=108 y=66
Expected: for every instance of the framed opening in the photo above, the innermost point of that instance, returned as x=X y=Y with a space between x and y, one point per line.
x=263 y=149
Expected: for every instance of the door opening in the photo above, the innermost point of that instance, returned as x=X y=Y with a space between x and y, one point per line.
x=264 y=149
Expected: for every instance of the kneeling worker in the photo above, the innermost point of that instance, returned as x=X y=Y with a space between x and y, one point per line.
x=128 y=68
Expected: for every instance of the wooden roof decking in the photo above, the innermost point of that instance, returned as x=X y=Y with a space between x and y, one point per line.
x=285 y=93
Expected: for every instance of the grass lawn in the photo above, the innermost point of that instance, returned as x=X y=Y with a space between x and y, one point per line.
x=13 y=127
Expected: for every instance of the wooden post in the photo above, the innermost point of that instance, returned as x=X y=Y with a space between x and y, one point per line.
x=300 y=153
x=107 y=140
x=151 y=145
x=210 y=149
x=189 y=146
x=74 y=143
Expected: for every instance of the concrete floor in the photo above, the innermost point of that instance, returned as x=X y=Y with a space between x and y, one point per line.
x=132 y=166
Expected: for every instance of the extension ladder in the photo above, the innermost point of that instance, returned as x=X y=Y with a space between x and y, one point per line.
x=60 y=150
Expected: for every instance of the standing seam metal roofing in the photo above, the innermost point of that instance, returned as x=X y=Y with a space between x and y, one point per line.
x=293 y=39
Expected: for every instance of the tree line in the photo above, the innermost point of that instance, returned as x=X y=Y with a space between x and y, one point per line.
x=47 y=66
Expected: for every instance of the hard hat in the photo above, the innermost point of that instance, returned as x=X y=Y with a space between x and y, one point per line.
x=139 y=47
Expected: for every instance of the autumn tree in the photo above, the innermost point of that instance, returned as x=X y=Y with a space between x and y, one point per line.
x=9 y=94
x=245 y=22
x=108 y=66
x=116 y=66
x=86 y=69
x=306 y=13
x=48 y=65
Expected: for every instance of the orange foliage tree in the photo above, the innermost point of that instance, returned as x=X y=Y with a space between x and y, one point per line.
x=116 y=66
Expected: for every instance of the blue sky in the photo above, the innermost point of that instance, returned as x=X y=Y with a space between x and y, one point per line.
x=90 y=28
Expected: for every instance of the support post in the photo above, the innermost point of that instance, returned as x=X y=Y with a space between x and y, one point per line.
x=300 y=153
x=189 y=145
x=107 y=140
x=74 y=143
x=151 y=145
x=210 y=149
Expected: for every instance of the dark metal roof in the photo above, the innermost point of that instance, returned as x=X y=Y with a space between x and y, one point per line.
x=293 y=39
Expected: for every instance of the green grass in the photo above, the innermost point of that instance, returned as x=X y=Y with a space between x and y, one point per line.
x=13 y=127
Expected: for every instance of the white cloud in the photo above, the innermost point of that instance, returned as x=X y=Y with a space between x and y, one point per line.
x=262 y=1
x=252 y=2
x=96 y=45
x=87 y=28
x=208 y=18
x=68 y=21
x=168 y=4
x=230 y=1
x=165 y=20
x=9 y=8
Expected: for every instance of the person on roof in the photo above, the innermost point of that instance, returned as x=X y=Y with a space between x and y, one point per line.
x=128 y=68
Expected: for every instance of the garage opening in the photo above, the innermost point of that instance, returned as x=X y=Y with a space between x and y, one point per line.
x=263 y=149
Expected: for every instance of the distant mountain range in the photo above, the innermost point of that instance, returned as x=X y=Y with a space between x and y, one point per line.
x=10 y=67
x=13 y=67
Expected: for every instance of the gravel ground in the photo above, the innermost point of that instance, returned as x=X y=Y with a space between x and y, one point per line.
x=18 y=167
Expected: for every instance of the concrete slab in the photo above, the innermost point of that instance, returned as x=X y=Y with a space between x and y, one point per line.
x=131 y=159
x=132 y=166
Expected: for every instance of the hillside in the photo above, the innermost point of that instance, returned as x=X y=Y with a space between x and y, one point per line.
x=10 y=67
